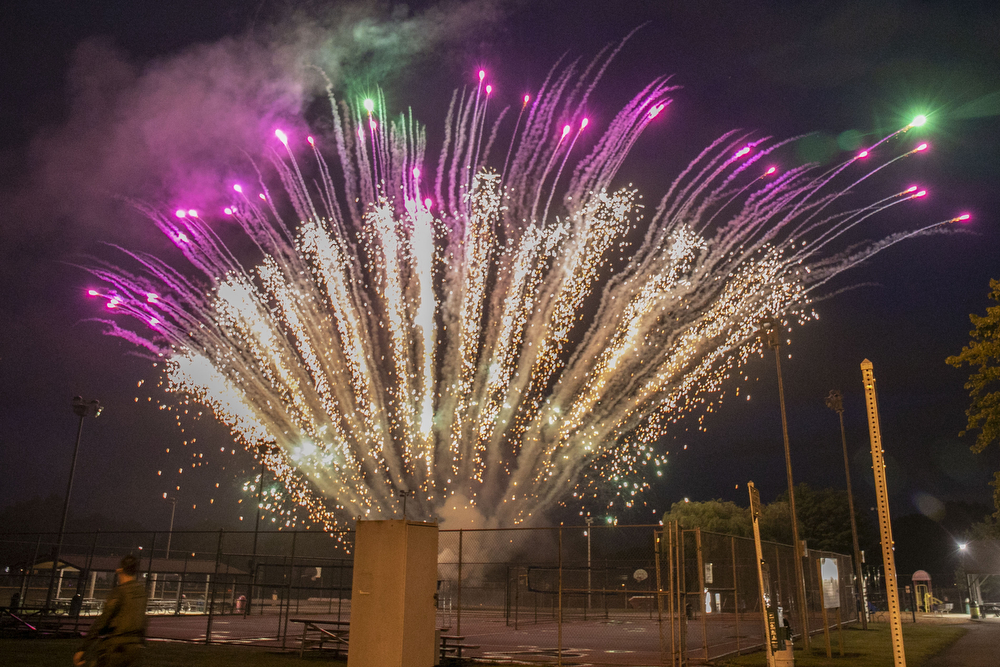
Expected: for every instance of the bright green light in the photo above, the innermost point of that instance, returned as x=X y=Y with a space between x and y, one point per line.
x=369 y=105
x=919 y=120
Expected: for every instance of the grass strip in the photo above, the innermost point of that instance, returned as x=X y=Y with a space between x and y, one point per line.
x=866 y=648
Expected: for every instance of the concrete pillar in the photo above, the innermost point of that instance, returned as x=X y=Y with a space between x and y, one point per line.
x=392 y=603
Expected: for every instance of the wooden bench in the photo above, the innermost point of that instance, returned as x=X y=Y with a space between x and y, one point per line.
x=451 y=648
x=334 y=632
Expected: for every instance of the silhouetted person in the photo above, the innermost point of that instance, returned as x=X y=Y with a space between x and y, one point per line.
x=116 y=637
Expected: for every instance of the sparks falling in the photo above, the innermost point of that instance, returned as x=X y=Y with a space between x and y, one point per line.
x=490 y=340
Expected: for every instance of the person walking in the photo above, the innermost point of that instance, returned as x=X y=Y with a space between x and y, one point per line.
x=116 y=637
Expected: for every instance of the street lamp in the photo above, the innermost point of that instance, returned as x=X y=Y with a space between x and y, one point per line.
x=404 y=495
x=771 y=337
x=835 y=401
x=81 y=409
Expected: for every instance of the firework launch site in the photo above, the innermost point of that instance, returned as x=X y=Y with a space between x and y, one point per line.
x=457 y=330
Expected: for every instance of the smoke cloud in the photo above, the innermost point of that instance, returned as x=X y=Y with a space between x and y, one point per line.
x=175 y=131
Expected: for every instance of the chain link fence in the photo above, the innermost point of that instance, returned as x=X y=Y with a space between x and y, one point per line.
x=597 y=595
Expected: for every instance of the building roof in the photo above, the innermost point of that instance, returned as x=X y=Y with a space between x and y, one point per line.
x=981 y=557
x=77 y=562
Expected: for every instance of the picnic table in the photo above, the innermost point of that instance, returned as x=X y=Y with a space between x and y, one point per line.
x=989 y=608
x=451 y=648
x=322 y=631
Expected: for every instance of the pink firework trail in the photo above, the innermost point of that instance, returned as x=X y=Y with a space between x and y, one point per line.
x=497 y=341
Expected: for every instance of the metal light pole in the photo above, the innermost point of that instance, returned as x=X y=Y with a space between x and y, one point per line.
x=170 y=533
x=835 y=401
x=256 y=530
x=590 y=523
x=968 y=588
x=769 y=332
x=404 y=495
x=81 y=409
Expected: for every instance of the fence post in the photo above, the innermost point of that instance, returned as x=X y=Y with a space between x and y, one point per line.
x=149 y=566
x=340 y=588
x=777 y=577
x=559 y=619
x=180 y=586
x=210 y=591
x=822 y=608
x=683 y=595
x=702 y=607
x=506 y=597
x=287 y=601
x=281 y=601
x=291 y=571
x=604 y=595
x=736 y=593
x=517 y=593
x=26 y=580
x=458 y=628
x=671 y=528
x=80 y=577
x=657 y=545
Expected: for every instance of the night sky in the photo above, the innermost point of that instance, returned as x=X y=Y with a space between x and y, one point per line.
x=112 y=99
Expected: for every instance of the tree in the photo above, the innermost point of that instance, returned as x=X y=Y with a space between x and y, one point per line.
x=776 y=522
x=983 y=354
x=824 y=520
x=716 y=516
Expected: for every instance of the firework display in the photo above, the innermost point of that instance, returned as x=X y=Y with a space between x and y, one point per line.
x=497 y=330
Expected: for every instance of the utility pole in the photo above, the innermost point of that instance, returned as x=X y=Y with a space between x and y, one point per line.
x=884 y=521
x=773 y=340
x=835 y=401
x=81 y=409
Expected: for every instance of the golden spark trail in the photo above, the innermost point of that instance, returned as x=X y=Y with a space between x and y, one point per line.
x=514 y=341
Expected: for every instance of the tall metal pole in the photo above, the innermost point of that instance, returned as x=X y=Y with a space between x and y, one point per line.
x=773 y=341
x=81 y=409
x=884 y=521
x=170 y=533
x=256 y=529
x=835 y=401
x=763 y=585
x=404 y=495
